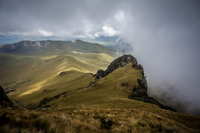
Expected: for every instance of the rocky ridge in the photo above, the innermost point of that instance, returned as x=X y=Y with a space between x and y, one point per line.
x=138 y=92
x=121 y=62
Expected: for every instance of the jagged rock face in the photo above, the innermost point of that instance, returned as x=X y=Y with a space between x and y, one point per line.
x=4 y=100
x=119 y=62
x=137 y=91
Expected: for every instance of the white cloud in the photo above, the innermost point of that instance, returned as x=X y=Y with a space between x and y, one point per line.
x=45 y=33
x=74 y=41
x=107 y=31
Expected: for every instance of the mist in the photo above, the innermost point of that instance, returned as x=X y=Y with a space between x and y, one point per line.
x=164 y=36
x=165 y=40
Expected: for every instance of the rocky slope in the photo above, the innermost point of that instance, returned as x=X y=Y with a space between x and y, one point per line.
x=138 y=92
x=4 y=100
x=119 y=62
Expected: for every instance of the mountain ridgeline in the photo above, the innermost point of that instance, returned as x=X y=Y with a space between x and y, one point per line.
x=28 y=66
x=139 y=91
x=49 y=47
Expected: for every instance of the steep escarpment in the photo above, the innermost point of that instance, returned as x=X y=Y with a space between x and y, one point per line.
x=119 y=62
x=137 y=91
x=140 y=89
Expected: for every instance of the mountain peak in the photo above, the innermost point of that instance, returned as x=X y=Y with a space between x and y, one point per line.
x=137 y=91
x=119 y=62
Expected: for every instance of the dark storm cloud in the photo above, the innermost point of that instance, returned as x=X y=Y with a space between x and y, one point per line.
x=165 y=35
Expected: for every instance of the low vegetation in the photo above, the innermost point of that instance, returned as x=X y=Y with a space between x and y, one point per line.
x=85 y=119
x=60 y=94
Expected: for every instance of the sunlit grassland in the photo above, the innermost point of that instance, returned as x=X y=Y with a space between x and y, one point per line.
x=87 y=119
x=29 y=74
x=59 y=93
x=76 y=85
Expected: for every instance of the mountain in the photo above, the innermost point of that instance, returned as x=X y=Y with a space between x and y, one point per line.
x=123 y=79
x=82 y=91
x=136 y=92
x=29 y=66
x=49 y=47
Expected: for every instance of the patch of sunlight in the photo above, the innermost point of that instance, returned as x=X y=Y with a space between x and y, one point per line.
x=81 y=61
x=35 y=87
x=64 y=66
x=106 y=57
x=76 y=52
x=48 y=57
x=74 y=69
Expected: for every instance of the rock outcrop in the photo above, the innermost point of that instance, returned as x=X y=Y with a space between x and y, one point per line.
x=138 y=92
x=119 y=62
x=141 y=89
x=4 y=100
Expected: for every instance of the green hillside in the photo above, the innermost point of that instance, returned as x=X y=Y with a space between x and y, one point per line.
x=70 y=105
x=49 y=47
x=57 y=90
x=29 y=67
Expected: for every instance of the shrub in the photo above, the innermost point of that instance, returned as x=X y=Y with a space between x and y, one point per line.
x=106 y=124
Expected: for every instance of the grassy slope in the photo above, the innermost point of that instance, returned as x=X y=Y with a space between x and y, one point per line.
x=105 y=90
x=46 y=48
x=103 y=107
x=60 y=47
x=29 y=74
x=82 y=119
x=108 y=99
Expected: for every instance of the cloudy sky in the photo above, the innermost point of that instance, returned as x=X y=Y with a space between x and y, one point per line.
x=164 y=35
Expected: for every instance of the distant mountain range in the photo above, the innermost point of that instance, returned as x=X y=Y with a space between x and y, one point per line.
x=50 y=47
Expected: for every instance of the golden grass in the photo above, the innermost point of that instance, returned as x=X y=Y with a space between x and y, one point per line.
x=106 y=89
x=102 y=107
x=29 y=74
x=35 y=87
x=86 y=119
